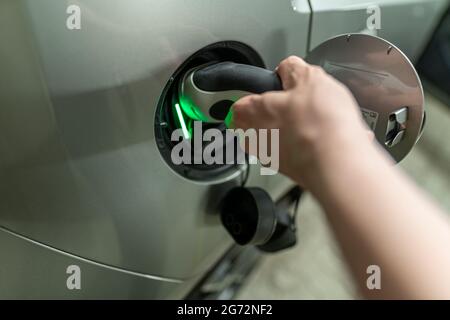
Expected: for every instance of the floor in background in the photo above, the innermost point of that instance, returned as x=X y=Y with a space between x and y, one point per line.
x=314 y=269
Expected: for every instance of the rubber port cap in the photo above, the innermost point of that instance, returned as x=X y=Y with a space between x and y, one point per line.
x=248 y=214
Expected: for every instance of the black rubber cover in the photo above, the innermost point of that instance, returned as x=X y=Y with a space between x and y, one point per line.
x=220 y=109
x=248 y=214
x=233 y=76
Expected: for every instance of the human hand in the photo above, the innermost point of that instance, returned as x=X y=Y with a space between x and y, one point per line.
x=317 y=116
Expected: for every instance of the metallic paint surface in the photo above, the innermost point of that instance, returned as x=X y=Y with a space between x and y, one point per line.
x=80 y=171
x=406 y=23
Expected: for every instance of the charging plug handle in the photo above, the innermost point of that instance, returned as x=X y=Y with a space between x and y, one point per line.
x=226 y=76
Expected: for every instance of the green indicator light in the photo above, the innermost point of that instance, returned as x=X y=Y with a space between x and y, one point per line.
x=182 y=122
x=191 y=109
x=229 y=118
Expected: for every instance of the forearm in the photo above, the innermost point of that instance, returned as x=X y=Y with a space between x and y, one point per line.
x=381 y=218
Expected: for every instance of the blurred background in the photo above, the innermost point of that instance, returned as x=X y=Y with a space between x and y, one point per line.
x=315 y=269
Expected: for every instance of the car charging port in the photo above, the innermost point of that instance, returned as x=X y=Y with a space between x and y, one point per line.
x=170 y=115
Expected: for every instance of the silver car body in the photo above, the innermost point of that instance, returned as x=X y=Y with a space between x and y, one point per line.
x=81 y=178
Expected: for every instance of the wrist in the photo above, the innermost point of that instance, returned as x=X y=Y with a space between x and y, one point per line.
x=335 y=157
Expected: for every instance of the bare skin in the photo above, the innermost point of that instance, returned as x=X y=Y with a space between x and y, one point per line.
x=378 y=215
